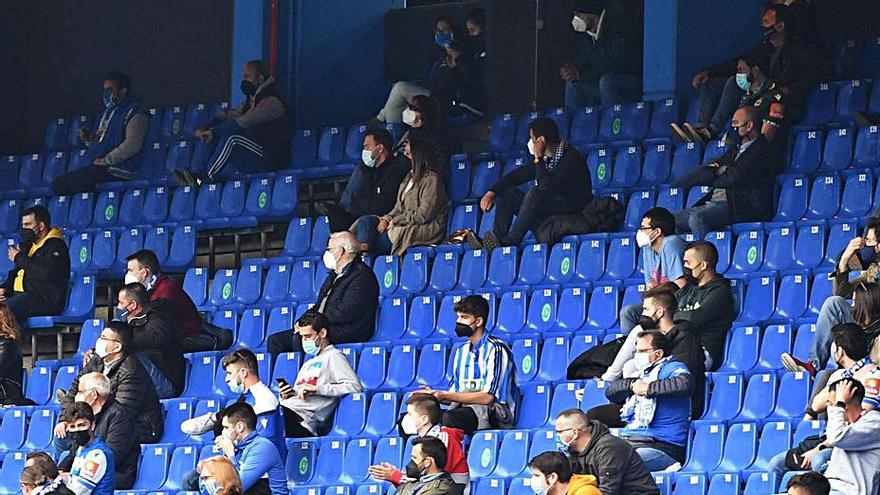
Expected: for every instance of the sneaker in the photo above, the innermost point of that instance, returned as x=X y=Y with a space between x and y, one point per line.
x=700 y=135
x=680 y=133
x=180 y=177
x=199 y=424
x=794 y=364
x=472 y=240
x=864 y=119
x=490 y=241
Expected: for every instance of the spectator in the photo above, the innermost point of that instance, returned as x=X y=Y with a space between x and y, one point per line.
x=422 y=419
x=348 y=298
x=743 y=179
x=852 y=432
x=259 y=465
x=37 y=285
x=551 y=475
x=475 y=42
x=608 y=69
x=593 y=450
x=809 y=483
x=155 y=334
x=10 y=359
x=422 y=115
x=483 y=393
x=562 y=186
x=324 y=378
x=705 y=304
x=44 y=462
x=35 y=481
x=661 y=252
x=798 y=19
x=865 y=312
x=419 y=216
x=93 y=471
x=372 y=187
x=114 y=148
x=425 y=471
x=143 y=267
x=113 y=425
x=130 y=384
x=253 y=137
x=218 y=476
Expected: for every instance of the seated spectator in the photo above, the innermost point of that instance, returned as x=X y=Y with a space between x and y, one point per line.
x=809 y=483
x=798 y=19
x=662 y=252
x=743 y=178
x=372 y=187
x=113 y=150
x=93 y=470
x=348 y=298
x=864 y=312
x=253 y=137
x=324 y=378
x=551 y=475
x=852 y=431
x=425 y=123
x=155 y=335
x=143 y=267
x=422 y=419
x=10 y=359
x=608 y=69
x=113 y=425
x=593 y=450
x=218 y=476
x=256 y=458
x=42 y=479
x=483 y=393
x=562 y=186
x=475 y=42
x=425 y=474
x=419 y=216
x=130 y=384
x=37 y=285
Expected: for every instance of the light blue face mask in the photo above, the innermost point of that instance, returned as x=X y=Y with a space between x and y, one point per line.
x=310 y=347
x=742 y=80
x=236 y=387
x=209 y=487
x=367 y=157
x=107 y=98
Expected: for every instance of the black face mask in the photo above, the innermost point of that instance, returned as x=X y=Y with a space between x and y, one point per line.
x=27 y=236
x=248 y=88
x=647 y=323
x=80 y=438
x=689 y=274
x=464 y=330
x=413 y=471
x=866 y=256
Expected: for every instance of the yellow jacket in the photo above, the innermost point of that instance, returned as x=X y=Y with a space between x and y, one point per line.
x=583 y=484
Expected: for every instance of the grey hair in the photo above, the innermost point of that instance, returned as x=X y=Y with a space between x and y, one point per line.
x=346 y=240
x=97 y=382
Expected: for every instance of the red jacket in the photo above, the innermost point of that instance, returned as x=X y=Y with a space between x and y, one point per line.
x=456 y=460
x=181 y=306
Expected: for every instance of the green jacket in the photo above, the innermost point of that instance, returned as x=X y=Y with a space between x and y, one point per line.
x=443 y=485
x=618 y=49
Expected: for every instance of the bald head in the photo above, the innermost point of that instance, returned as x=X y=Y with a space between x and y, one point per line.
x=747 y=122
x=573 y=429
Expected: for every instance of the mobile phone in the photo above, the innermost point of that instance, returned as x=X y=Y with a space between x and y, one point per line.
x=282 y=382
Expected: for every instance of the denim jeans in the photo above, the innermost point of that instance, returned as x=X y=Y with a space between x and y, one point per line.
x=608 y=90
x=702 y=219
x=654 y=459
x=719 y=98
x=835 y=310
x=365 y=230
x=819 y=463
x=629 y=317
x=531 y=209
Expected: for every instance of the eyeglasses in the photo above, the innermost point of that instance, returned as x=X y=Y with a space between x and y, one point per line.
x=565 y=430
x=106 y=339
x=647 y=228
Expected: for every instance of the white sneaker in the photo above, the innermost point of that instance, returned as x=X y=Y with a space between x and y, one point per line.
x=199 y=424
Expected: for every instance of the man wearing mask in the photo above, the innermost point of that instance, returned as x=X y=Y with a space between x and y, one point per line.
x=253 y=137
x=114 y=148
x=592 y=449
x=422 y=419
x=425 y=470
x=609 y=66
x=255 y=457
x=37 y=285
x=372 y=187
x=743 y=179
x=852 y=431
x=94 y=467
x=324 y=378
x=483 y=393
x=348 y=298
x=551 y=475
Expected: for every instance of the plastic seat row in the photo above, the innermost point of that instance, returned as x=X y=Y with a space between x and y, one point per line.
x=852 y=193
x=833 y=150
x=105 y=251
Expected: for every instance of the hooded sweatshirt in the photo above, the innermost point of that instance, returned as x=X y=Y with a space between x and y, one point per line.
x=853 y=468
x=709 y=311
x=615 y=463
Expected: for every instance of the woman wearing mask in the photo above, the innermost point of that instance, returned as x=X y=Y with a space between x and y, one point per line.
x=418 y=218
x=423 y=118
x=551 y=475
x=10 y=359
x=35 y=481
x=218 y=476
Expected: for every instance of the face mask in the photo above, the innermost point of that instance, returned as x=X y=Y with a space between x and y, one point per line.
x=119 y=314
x=647 y=323
x=310 y=347
x=27 y=236
x=413 y=471
x=643 y=239
x=107 y=98
x=642 y=361
x=81 y=397
x=329 y=260
x=131 y=278
x=367 y=158
x=101 y=348
x=236 y=387
x=80 y=438
x=689 y=274
x=531 y=146
x=866 y=256
x=768 y=32
x=539 y=485
x=464 y=330
x=409 y=426
x=443 y=39
x=742 y=80
x=209 y=487
x=248 y=88
x=578 y=24
x=561 y=446
x=409 y=117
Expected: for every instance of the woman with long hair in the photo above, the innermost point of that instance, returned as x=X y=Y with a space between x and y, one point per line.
x=10 y=358
x=218 y=476
x=34 y=480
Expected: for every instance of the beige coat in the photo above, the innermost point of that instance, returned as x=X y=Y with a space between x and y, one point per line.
x=419 y=216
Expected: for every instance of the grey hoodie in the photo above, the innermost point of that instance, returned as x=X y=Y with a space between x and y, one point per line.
x=854 y=468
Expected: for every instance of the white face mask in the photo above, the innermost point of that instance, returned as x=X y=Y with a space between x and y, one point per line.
x=531 y=146
x=101 y=348
x=409 y=117
x=409 y=426
x=367 y=158
x=578 y=24
x=642 y=361
x=539 y=484
x=131 y=278
x=329 y=260
x=79 y=397
x=643 y=239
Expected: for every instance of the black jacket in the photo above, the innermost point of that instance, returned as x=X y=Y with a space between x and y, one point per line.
x=748 y=180
x=10 y=370
x=569 y=180
x=133 y=390
x=373 y=190
x=615 y=463
x=708 y=312
x=46 y=274
x=687 y=349
x=618 y=49
x=351 y=303
x=156 y=337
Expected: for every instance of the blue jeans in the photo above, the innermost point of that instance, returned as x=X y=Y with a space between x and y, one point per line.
x=654 y=459
x=237 y=151
x=835 y=310
x=719 y=98
x=629 y=317
x=608 y=90
x=819 y=463
x=365 y=230
x=702 y=219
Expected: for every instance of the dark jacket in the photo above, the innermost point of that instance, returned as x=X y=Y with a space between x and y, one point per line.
x=156 y=337
x=687 y=349
x=615 y=463
x=46 y=274
x=442 y=485
x=373 y=190
x=133 y=390
x=748 y=180
x=352 y=300
x=10 y=370
x=460 y=84
x=569 y=180
x=178 y=303
x=708 y=312
x=618 y=49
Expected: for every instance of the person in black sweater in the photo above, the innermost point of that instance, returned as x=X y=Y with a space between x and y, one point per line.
x=562 y=186
x=10 y=358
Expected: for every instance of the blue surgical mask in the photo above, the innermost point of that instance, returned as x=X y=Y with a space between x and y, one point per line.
x=443 y=39
x=367 y=157
x=562 y=446
x=310 y=347
x=742 y=80
x=866 y=256
x=107 y=98
x=209 y=487
x=236 y=387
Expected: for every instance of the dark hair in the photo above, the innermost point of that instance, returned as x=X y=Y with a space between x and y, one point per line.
x=552 y=462
x=136 y=292
x=753 y=115
x=546 y=127
x=866 y=303
x=424 y=158
x=244 y=358
x=241 y=412
x=659 y=341
x=428 y=405
x=476 y=306
x=146 y=259
x=124 y=333
x=260 y=67
x=312 y=318
x=40 y=213
x=662 y=297
x=706 y=251
x=79 y=410
x=428 y=107
x=478 y=17
x=873 y=223
x=851 y=338
x=119 y=78
x=448 y=20
x=858 y=388
x=43 y=463
x=661 y=218
x=381 y=136
x=759 y=59
x=811 y=481
x=434 y=448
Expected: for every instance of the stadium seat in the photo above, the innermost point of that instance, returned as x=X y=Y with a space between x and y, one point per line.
x=444 y=271
x=793 y=295
x=775 y=438
x=80 y=252
x=512 y=313
x=687 y=157
x=807 y=152
x=39 y=384
x=331 y=146
x=502 y=133
x=599 y=163
x=554 y=357
x=522 y=128
x=183 y=462
x=153 y=466
x=639 y=202
x=82 y=205
x=232 y=205
x=276 y=283
x=664 y=112
x=330 y=460
x=502 y=266
x=857 y=185
x=354 y=143
x=287 y=366
x=474 y=269
x=414 y=270
x=793 y=197
x=320 y=236
x=372 y=366
x=706 y=448
x=794 y=393
x=183 y=203
x=852 y=97
x=225 y=318
x=838 y=150
x=431 y=370
x=176 y=412
x=131 y=207
x=251 y=329
x=485 y=174
x=387 y=269
x=13 y=463
x=179 y=157
x=760 y=483
x=302 y=281
x=840 y=233
x=513 y=454
x=351 y=414
x=208 y=203
x=465 y=217
x=624 y=121
x=296 y=242
x=541 y=315
x=533 y=265
x=604 y=306
x=483 y=453
x=285 y=196
x=223 y=287
x=39 y=432
x=561 y=117
x=422 y=316
x=581 y=342
x=152 y=161
x=621 y=261
x=821 y=102
x=759 y=397
x=104 y=251
x=590 y=265
x=30 y=175
x=490 y=486
x=55 y=166
x=249 y=283
x=777 y=339
x=867 y=151
x=401 y=367
x=303 y=149
x=55 y=136
x=173 y=124
x=742 y=350
x=657 y=162
x=13 y=429
x=156 y=205
x=779 y=250
x=809 y=248
x=725 y=401
x=725 y=483
x=739 y=449
x=446 y=316
x=627 y=167
x=803 y=341
x=594 y=394
x=195 y=284
x=695 y=194
x=460 y=177
x=748 y=255
x=824 y=197
x=392 y=319
x=584 y=125
x=358 y=457
x=560 y=266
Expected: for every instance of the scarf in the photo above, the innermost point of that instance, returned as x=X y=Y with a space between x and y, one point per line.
x=638 y=411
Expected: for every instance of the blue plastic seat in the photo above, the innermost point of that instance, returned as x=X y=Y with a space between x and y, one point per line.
x=9 y=168
x=526 y=352
x=687 y=157
x=444 y=271
x=153 y=467
x=330 y=460
x=13 y=429
x=541 y=315
x=657 y=162
x=664 y=112
x=779 y=251
x=775 y=438
x=580 y=343
x=302 y=281
x=840 y=233
x=401 y=367
x=695 y=194
x=431 y=369
x=621 y=263
x=13 y=463
x=483 y=453
x=561 y=118
x=106 y=209
x=223 y=287
x=176 y=412
x=604 y=307
x=225 y=318
x=627 y=167
x=351 y=414
x=759 y=398
x=584 y=125
x=465 y=217
x=760 y=298
x=331 y=146
x=382 y=415
x=55 y=166
x=183 y=203
x=809 y=249
x=104 y=251
x=39 y=384
x=485 y=174
x=55 y=137
x=742 y=350
x=152 y=161
x=791 y=302
x=807 y=151
x=285 y=196
x=857 y=185
x=251 y=329
x=80 y=252
x=183 y=462
x=594 y=394
x=599 y=163
x=491 y=486
x=639 y=202
x=867 y=151
x=748 y=255
x=208 y=202
x=821 y=102
x=372 y=366
x=794 y=392
x=740 y=448
x=852 y=97
x=387 y=269
x=249 y=283
x=474 y=269
x=522 y=128
x=560 y=266
x=10 y=217
x=179 y=157
x=39 y=433
x=82 y=205
x=276 y=283
x=30 y=175
x=502 y=266
x=706 y=448
x=760 y=483
x=414 y=270
x=714 y=149
x=232 y=203
x=156 y=205
x=195 y=284
x=422 y=316
x=554 y=358
x=793 y=197
x=512 y=312
x=564 y=397
x=502 y=133
x=819 y=292
x=459 y=177
x=513 y=454
x=725 y=401
x=296 y=242
x=197 y=115
x=533 y=265
x=303 y=149
x=446 y=316
x=358 y=457
x=724 y=483
x=838 y=150
x=824 y=197
x=624 y=121
x=173 y=123
x=320 y=236
x=131 y=207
